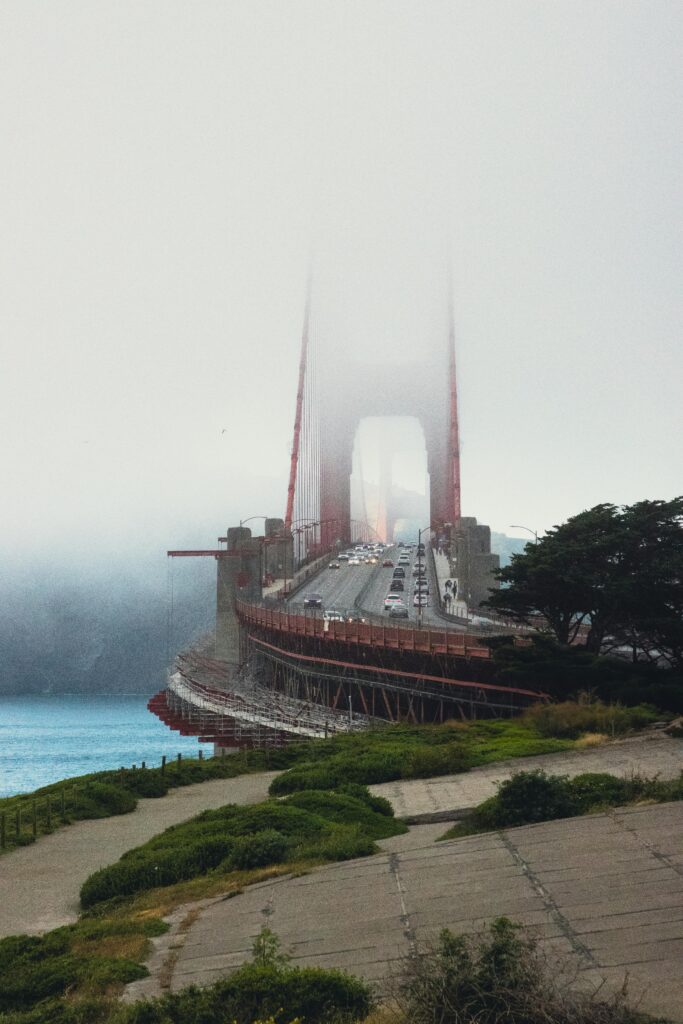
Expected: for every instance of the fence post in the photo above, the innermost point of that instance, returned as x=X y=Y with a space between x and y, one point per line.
x=143 y=764
x=163 y=763
x=201 y=755
x=180 y=758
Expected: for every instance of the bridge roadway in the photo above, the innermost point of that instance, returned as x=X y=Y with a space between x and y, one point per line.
x=362 y=588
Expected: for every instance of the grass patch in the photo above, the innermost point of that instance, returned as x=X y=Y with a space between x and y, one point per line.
x=312 y=826
x=410 y=752
x=381 y=755
x=570 y=720
x=531 y=797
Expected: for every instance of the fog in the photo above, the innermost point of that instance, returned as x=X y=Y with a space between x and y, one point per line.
x=174 y=171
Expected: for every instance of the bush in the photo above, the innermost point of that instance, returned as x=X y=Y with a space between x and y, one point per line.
x=569 y=720
x=142 y=869
x=102 y=799
x=255 y=993
x=257 y=851
x=424 y=762
x=303 y=778
x=379 y=804
x=597 y=789
x=496 y=977
x=342 y=842
x=347 y=810
x=526 y=798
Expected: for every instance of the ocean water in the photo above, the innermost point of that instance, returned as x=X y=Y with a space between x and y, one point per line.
x=47 y=738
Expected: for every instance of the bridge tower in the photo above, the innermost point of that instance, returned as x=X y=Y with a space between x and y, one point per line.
x=335 y=391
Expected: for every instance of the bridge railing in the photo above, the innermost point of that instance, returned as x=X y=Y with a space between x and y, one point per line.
x=402 y=638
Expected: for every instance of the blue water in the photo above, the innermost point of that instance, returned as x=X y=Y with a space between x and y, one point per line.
x=46 y=738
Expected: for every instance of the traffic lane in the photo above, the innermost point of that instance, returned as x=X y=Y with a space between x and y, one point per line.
x=373 y=600
x=338 y=588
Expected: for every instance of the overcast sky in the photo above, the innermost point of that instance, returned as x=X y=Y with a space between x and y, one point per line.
x=171 y=169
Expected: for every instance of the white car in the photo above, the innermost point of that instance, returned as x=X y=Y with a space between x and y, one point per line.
x=330 y=615
x=354 y=560
x=391 y=600
x=420 y=600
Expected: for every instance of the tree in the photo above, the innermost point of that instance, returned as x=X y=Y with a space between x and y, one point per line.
x=610 y=576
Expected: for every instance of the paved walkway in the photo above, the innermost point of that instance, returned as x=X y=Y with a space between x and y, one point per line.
x=39 y=884
x=604 y=894
x=659 y=755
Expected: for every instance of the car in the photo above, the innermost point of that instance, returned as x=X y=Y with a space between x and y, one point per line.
x=398 y=611
x=397 y=585
x=343 y=557
x=391 y=599
x=420 y=600
x=313 y=601
x=399 y=573
x=355 y=617
x=332 y=615
x=354 y=560
x=334 y=565
x=387 y=564
x=419 y=570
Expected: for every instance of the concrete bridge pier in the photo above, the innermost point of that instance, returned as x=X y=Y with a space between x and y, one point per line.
x=239 y=575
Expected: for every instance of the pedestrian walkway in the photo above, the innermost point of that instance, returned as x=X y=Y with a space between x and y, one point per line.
x=39 y=884
x=603 y=894
x=419 y=798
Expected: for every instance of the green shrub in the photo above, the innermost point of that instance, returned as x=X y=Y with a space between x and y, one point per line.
x=258 y=850
x=570 y=719
x=499 y=977
x=526 y=798
x=255 y=993
x=147 y=869
x=102 y=799
x=342 y=842
x=303 y=778
x=425 y=762
x=145 y=782
x=379 y=804
x=597 y=789
x=344 y=809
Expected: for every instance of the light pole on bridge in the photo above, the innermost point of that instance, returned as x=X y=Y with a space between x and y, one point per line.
x=534 y=533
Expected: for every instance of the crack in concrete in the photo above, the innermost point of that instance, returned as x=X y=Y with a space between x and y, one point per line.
x=549 y=903
x=394 y=864
x=650 y=847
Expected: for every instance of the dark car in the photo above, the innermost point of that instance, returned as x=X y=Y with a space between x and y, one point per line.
x=396 y=585
x=387 y=564
x=313 y=601
x=399 y=573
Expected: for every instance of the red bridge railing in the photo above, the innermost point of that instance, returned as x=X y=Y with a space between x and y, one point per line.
x=396 y=638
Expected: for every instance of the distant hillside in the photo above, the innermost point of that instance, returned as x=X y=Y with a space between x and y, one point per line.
x=97 y=636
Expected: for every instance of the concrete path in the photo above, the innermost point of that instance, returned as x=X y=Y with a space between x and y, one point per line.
x=659 y=755
x=39 y=884
x=604 y=894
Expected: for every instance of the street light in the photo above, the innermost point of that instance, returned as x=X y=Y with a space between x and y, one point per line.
x=533 y=533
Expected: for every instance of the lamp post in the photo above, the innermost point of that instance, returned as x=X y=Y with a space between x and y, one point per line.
x=533 y=533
